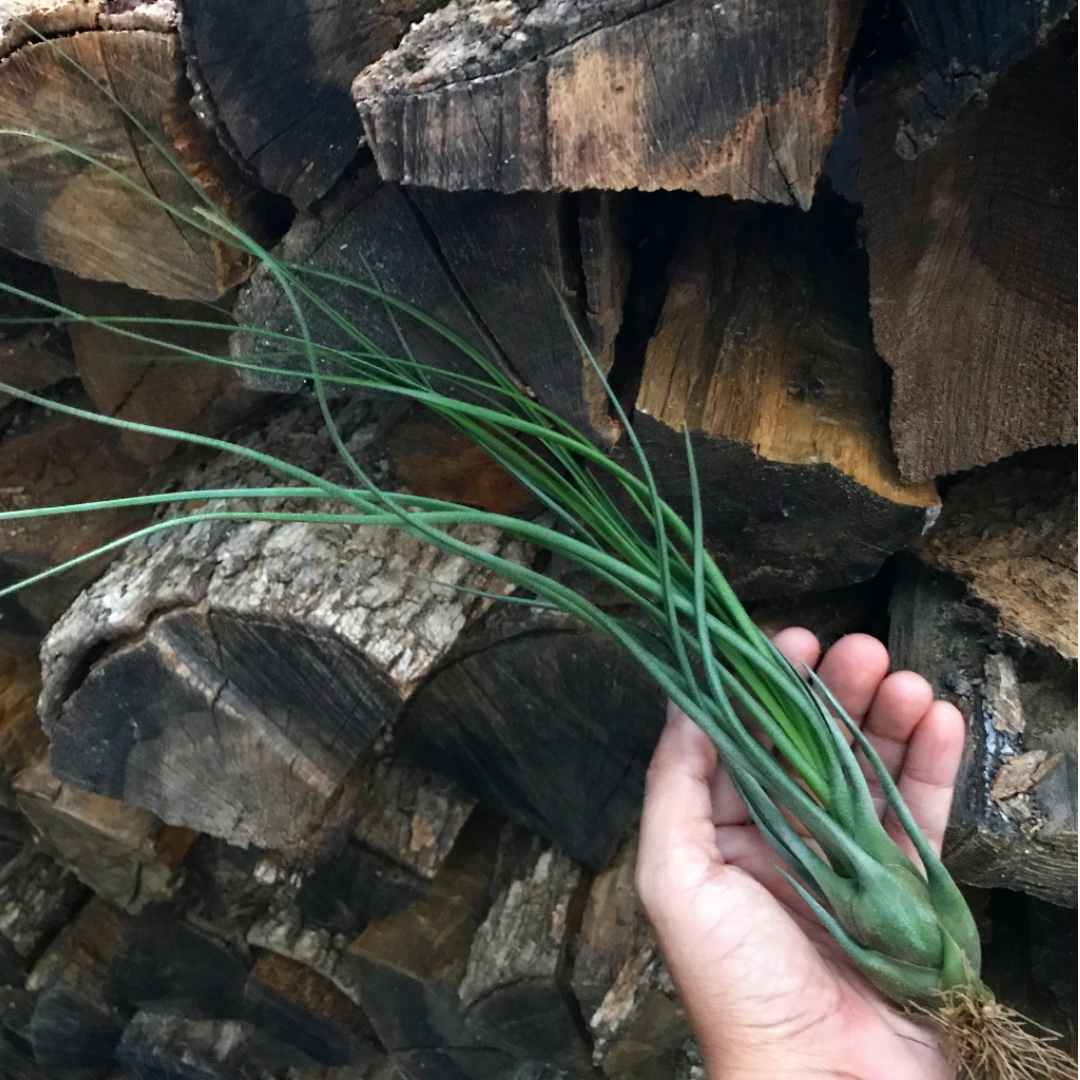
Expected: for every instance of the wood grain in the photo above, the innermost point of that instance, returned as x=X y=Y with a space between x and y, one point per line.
x=972 y=250
x=547 y=96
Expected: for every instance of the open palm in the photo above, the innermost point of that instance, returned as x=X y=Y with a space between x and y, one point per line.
x=768 y=993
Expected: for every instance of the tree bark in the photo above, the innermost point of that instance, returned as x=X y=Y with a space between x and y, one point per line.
x=544 y=96
x=763 y=351
x=275 y=655
x=972 y=249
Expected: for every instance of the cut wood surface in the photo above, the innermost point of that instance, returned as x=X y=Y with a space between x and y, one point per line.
x=1013 y=822
x=125 y=854
x=59 y=208
x=543 y=721
x=966 y=45
x=32 y=356
x=972 y=251
x=542 y=95
x=274 y=654
x=274 y=76
x=1009 y=531
x=149 y=383
x=52 y=460
x=504 y=273
x=763 y=351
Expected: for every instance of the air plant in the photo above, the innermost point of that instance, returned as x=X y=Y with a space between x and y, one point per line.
x=902 y=922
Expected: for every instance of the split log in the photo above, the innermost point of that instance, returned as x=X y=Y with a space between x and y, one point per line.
x=544 y=96
x=117 y=96
x=1009 y=531
x=275 y=655
x=274 y=79
x=306 y=1011
x=763 y=351
x=1013 y=822
x=409 y=967
x=37 y=898
x=972 y=249
x=625 y=993
x=503 y=273
x=544 y=721
x=32 y=357
x=38 y=457
x=126 y=855
x=76 y=1024
x=154 y=384
x=515 y=991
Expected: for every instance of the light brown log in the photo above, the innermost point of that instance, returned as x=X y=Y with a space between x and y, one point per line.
x=125 y=854
x=763 y=351
x=150 y=383
x=545 y=96
x=972 y=249
x=275 y=656
x=61 y=209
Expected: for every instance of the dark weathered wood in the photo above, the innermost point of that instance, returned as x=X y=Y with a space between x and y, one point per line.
x=125 y=854
x=76 y=1022
x=32 y=357
x=515 y=990
x=409 y=966
x=528 y=264
x=763 y=350
x=38 y=453
x=275 y=78
x=61 y=209
x=966 y=45
x=620 y=982
x=547 y=96
x=251 y=666
x=37 y=898
x=505 y=273
x=1009 y=531
x=149 y=383
x=972 y=249
x=305 y=1010
x=1013 y=822
x=545 y=722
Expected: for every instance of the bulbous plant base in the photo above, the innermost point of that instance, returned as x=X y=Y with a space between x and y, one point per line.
x=986 y=1040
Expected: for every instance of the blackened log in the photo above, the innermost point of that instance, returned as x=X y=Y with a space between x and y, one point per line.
x=274 y=77
x=545 y=96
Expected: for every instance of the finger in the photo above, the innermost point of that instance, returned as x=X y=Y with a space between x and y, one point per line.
x=853 y=669
x=799 y=646
x=728 y=807
x=676 y=819
x=929 y=773
x=900 y=703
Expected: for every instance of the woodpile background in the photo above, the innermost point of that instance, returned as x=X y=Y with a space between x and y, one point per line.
x=277 y=802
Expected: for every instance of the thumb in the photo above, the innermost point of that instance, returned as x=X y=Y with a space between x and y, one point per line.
x=677 y=832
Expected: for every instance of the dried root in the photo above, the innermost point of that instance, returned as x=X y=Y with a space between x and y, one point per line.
x=988 y=1041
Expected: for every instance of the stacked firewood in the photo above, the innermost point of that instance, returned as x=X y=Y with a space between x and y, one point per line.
x=294 y=800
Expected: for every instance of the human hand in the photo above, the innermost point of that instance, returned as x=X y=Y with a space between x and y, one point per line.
x=767 y=991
